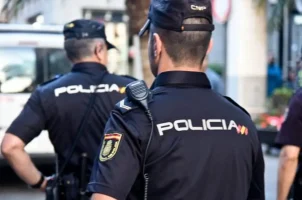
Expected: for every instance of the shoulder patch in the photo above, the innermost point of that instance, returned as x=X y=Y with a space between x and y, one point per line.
x=236 y=104
x=111 y=143
x=51 y=80
x=125 y=106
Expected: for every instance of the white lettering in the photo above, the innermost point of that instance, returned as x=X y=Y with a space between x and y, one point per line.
x=194 y=128
x=74 y=89
x=114 y=87
x=164 y=127
x=210 y=127
x=224 y=124
x=186 y=125
x=93 y=88
x=102 y=88
x=59 y=91
x=83 y=90
x=178 y=128
x=232 y=125
x=204 y=124
x=200 y=8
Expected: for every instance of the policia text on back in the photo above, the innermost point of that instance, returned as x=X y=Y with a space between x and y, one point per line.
x=74 y=109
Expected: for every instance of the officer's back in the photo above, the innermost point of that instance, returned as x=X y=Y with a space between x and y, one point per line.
x=86 y=46
x=69 y=98
x=205 y=151
x=204 y=145
x=60 y=105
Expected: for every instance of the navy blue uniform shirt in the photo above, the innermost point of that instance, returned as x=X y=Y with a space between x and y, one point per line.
x=59 y=106
x=290 y=132
x=204 y=146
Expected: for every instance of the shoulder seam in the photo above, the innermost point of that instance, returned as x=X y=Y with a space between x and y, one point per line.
x=123 y=108
x=51 y=80
x=237 y=105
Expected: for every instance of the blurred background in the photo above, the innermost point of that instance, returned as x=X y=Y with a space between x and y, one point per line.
x=256 y=60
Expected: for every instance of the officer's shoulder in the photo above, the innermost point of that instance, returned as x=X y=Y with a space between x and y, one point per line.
x=297 y=96
x=126 y=106
x=123 y=79
x=129 y=77
x=57 y=77
x=236 y=104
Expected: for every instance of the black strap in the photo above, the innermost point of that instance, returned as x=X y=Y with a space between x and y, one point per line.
x=81 y=129
x=38 y=185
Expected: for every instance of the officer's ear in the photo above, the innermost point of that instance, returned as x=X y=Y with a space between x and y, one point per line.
x=98 y=50
x=157 y=46
x=210 y=46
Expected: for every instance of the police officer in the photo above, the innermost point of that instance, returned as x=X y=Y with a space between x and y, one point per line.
x=59 y=106
x=290 y=138
x=203 y=146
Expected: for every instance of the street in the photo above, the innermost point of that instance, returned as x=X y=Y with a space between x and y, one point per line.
x=13 y=189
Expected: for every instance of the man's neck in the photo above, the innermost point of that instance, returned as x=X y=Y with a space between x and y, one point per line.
x=181 y=68
x=87 y=60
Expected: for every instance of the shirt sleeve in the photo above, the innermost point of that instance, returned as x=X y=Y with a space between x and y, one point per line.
x=31 y=120
x=291 y=129
x=257 y=189
x=118 y=163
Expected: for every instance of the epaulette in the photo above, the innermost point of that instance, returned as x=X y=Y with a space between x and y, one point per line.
x=236 y=104
x=130 y=77
x=125 y=106
x=51 y=80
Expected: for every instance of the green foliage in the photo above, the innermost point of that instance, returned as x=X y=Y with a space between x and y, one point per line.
x=276 y=107
x=279 y=100
x=217 y=68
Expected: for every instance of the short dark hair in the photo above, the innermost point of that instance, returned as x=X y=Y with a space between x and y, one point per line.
x=188 y=47
x=79 y=49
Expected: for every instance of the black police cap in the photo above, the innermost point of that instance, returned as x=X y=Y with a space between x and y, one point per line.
x=86 y=29
x=170 y=14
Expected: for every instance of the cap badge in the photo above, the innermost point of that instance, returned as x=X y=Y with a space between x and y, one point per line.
x=199 y=8
x=71 y=25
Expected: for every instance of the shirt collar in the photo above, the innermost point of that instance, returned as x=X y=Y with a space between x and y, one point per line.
x=182 y=78
x=88 y=67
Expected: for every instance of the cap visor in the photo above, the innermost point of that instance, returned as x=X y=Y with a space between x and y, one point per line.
x=145 y=28
x=110 y=46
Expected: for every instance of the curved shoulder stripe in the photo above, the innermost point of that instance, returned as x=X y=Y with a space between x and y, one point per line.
x=130 y=77
x=52 y=80
x=125 y=106
x=236 y=104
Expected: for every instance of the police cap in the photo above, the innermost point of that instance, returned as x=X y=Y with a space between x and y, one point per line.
x=170 y=15
x=86 y=29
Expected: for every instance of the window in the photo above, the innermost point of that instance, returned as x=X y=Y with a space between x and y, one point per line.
x=57 y=63
x=17 y=69
x=23 y=68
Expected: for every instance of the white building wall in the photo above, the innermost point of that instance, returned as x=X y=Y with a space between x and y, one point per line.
x=1 y=4
x=247 y=56
x=62 y=11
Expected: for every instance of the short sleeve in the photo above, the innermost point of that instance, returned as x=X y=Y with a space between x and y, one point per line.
x=31 y=120
x=291 y=129
x=257 y=189
x=117 y=166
